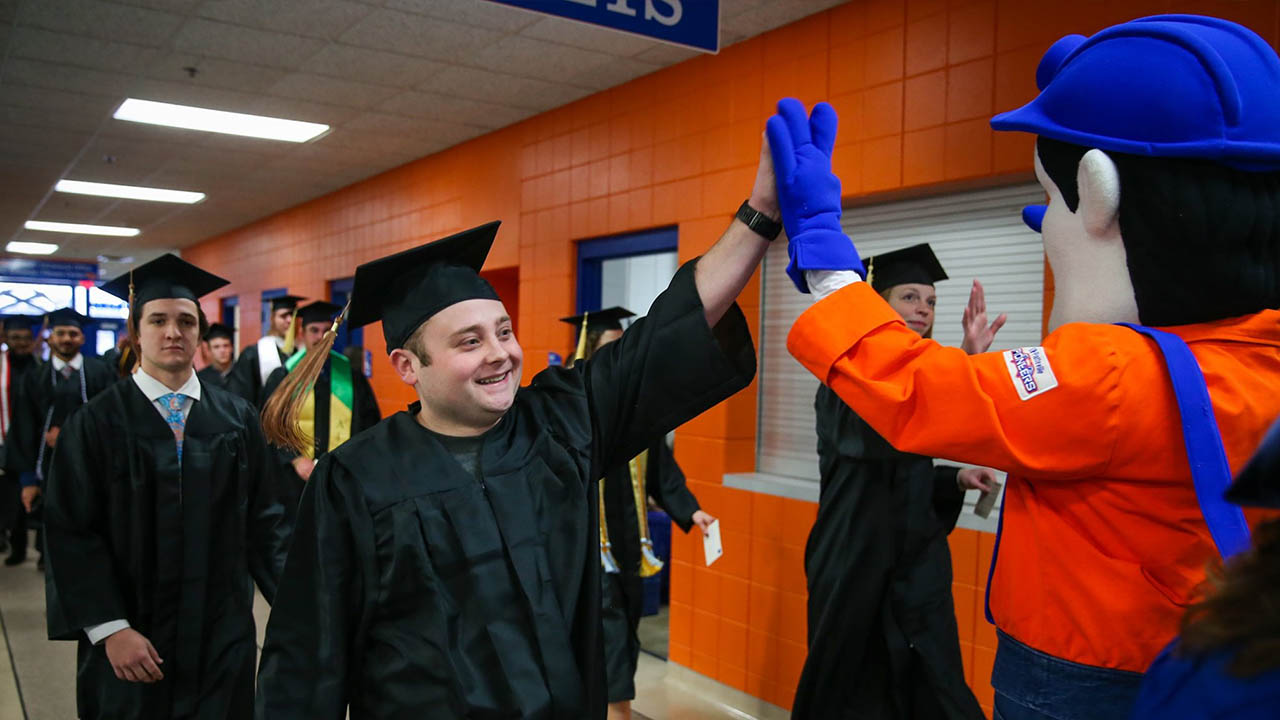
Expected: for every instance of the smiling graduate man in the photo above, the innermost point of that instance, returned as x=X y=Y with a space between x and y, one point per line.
x=444 y=562
x=158 y=513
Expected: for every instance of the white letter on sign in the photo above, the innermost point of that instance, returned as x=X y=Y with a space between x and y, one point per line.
x=620 y=6
x=677 y=12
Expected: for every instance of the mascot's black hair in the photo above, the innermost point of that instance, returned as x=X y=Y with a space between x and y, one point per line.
x=1202 y=239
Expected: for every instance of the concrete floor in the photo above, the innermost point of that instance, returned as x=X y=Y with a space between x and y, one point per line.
x=37 y=677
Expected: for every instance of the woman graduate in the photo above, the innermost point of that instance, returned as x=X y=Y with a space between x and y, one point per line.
x=883 y=641
x=158 y=514
x=445 y=562
x=626 y=547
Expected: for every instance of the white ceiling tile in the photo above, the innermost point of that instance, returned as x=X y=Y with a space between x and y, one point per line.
x=453 y=109
x=491 y=86
x=104 y=20
x=257 y=47
x=662 y=55
x=587 y=36
x=480 y=13
x=419 y=35
x=85 y=52
x=615 y=72
x=42 y=117
x=321 y=89
x=375 y=66
x=536 y=58
x=213 y=72
x=41 y=74
x=314 y=18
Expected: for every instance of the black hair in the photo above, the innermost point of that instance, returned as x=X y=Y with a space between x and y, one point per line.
x=1202 y=239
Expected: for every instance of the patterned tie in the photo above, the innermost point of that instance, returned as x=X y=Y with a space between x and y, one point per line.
x=67 y=370
x=172 y=402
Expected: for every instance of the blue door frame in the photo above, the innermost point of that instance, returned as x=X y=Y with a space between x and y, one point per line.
x=593 y=253
x=339 y=294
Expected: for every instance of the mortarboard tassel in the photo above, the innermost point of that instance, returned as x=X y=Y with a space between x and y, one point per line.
x=280 y=412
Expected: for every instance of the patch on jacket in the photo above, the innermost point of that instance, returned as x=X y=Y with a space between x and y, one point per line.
x=1030 y=371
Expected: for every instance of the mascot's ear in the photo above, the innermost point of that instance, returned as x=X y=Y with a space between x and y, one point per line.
x=1099 y=183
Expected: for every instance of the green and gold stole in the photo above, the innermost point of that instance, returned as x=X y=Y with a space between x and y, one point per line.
x=341 y=401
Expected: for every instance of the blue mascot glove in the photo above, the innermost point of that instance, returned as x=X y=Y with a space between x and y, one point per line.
x=808 y=192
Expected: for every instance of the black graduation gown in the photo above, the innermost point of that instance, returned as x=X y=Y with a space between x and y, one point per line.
x=364 y=415
x=46 y=400
x=132 y=536
x=10 y=503
x=210 y=377
x=883 y=640
x=244 y=379
x=412 y=591
x=665 y=483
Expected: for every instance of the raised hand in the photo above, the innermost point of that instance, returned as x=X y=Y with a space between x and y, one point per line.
x=978 y=335
x=808 y=192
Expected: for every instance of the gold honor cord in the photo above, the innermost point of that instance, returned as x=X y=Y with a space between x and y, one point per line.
x=607 y=561
x=650 y=565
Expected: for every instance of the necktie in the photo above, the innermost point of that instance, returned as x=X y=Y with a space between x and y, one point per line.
x=67 y=370
x=172 y=403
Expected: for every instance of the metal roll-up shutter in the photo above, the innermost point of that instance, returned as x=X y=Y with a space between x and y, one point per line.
x=974 y=234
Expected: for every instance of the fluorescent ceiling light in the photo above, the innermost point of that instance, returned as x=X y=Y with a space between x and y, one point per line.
x=219 y=121
x=113 y=230
x=128 y=192
x=31 y=248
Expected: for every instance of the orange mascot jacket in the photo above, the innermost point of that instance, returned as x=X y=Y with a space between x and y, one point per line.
x=1103 y=542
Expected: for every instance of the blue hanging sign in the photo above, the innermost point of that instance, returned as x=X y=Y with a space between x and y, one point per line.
x=20 y=269
x=691 y=23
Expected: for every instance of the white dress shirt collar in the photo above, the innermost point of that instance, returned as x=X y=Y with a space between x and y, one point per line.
x=76 y=362
x=154 y=389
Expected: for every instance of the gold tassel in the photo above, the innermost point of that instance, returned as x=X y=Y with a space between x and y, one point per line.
x=607 y=561
x=291 y=338
x=128 y=356
x=280 y=412
x=650 y=565
x=580 y=353
x=870 y=268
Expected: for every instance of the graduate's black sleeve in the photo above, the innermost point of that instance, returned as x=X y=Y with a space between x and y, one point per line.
x=23 y=441
x=366 y=412
x=306 y=656
x=948 y=497
x=82 y=586
x=269 y=532
x=666 y=369
x=243 y=378
x=670 y=491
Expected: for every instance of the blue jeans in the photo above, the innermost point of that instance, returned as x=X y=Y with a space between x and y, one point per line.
x=1031 y=685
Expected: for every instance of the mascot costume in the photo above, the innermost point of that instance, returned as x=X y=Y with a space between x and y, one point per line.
x=1158 y=145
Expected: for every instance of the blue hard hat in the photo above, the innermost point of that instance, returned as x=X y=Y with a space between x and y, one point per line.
x=1177 y=86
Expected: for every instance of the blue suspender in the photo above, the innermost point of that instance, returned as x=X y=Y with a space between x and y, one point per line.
x=1209 y=468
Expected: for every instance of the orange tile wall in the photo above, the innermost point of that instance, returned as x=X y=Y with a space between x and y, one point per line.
x=914 y=84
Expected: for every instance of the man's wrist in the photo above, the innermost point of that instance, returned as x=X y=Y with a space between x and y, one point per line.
x=768 y=208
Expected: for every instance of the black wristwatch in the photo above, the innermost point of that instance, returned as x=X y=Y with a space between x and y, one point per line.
x=763 y=225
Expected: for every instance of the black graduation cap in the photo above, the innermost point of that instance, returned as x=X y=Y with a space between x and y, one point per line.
x=285 y=302
x=404 y=290
x=218 y=330
x=607 y=319
x=915 y=264
x=31 y=322
x=168 y=276
x=1258 y=485
x=63 y=317
x=318 y=311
